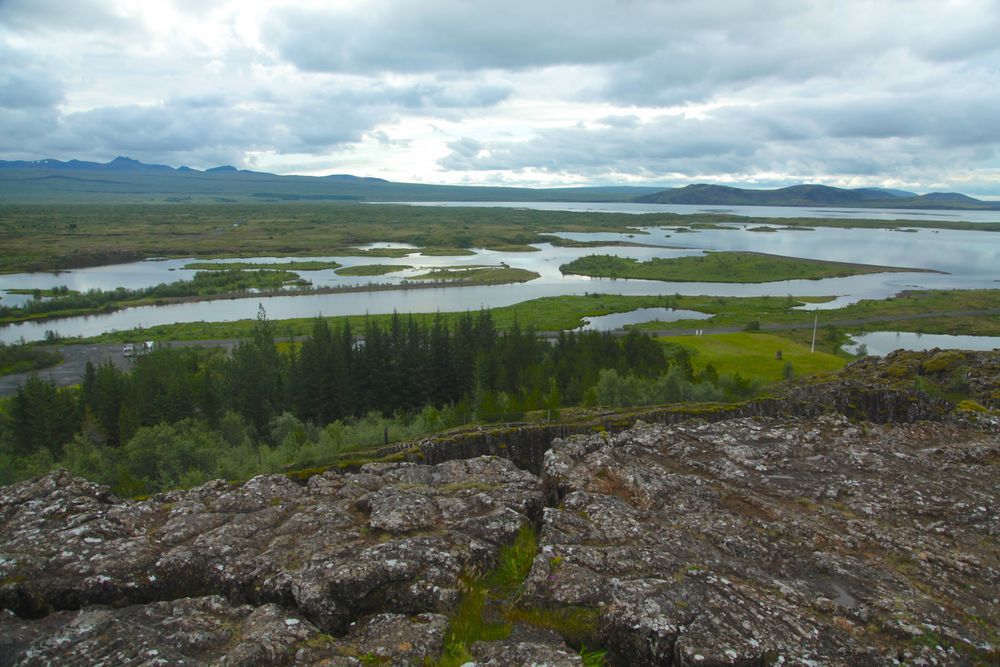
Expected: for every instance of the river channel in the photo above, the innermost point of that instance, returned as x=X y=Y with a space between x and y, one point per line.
x=966 y=259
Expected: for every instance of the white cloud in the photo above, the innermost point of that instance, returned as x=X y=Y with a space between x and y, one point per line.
x=557 y=92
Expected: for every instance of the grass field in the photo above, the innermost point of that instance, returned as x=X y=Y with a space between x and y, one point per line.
x=722 y=267
x=753 y=355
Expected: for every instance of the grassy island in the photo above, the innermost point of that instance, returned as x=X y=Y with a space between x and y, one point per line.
x=311 y=265
x=478 y=275
x=372 y=269
x=204 y=285
x=719 y=267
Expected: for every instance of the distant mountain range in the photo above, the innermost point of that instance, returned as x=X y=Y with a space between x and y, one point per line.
x=126 y=180
x=814 y=195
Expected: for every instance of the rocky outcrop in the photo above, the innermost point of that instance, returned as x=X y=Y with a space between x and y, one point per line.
x=747 y=536
x=177 y=632
x=759 y=541
x=933 y=372
x=526 y=646
x=391 y=538
x=903 y=387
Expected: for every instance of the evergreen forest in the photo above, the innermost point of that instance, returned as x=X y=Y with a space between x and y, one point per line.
x=181 y=416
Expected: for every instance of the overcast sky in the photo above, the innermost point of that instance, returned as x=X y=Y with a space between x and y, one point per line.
x=541 y=92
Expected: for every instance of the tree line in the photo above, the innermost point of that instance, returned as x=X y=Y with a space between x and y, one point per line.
x=268 y=404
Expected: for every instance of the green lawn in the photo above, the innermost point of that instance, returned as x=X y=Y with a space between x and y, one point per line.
x=727 y=267
x=754 y=355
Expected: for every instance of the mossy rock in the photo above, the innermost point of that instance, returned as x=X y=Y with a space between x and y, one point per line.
x=898 y=370
x=969 y=405
x=943 y=361
x=302 y=475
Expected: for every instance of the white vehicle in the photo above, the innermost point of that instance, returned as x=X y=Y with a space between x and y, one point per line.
x=133 y=350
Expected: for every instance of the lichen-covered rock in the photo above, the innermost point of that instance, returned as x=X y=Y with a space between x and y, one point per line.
x=526 y=646
x=749 y=540
x=190 y=631
x=810 y=541
x=335 y=550
x=382 y=639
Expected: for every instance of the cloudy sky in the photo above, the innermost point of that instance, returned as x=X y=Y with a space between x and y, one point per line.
x=541 y=92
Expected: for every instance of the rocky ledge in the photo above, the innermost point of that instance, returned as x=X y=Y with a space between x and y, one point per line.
x=762 y=541
x=748 y=541
x=267 y=572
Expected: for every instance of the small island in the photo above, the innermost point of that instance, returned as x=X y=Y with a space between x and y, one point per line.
x=371 y=269
x=308 y=265
x=478 y=275
x=720 y=267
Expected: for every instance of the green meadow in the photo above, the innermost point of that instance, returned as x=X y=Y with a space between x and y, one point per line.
x=755 y=355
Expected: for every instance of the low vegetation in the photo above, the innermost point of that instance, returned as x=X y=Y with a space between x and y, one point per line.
x=45 y=237
x=725 y=267
x=477 y=275
x=371 y=269
x=568 y=312
x=491 y=604
x=448 y=252
x=755 y=355
x=204 y=284
x=906 y=311
x=282 y=266
x=25 y=358
x=48 y=293
x=560 y=242
x=182 y=416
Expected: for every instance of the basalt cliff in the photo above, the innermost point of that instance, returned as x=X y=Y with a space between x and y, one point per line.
x=853 y=521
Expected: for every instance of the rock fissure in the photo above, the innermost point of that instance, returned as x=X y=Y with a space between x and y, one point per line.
x=741 y=538
x=391 y=538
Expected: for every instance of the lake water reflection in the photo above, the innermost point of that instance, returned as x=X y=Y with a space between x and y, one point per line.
x=968 y=258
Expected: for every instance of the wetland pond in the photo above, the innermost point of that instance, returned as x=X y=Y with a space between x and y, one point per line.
x=968 y=259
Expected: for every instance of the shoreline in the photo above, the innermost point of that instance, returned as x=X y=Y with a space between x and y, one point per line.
x=231 y=296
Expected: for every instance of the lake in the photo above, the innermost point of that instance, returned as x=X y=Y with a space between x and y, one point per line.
x=968 y=258
x=926 y=215
x=881 y=343
x=614 y=321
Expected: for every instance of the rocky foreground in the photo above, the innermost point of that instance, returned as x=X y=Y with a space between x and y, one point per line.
x=796 y=541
